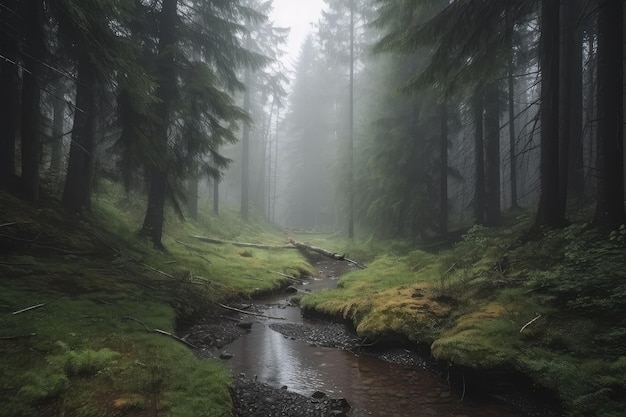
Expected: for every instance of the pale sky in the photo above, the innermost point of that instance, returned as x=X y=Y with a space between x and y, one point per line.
x=299 y=16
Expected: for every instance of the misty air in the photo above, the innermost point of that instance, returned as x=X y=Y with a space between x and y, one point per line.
x=312 y=208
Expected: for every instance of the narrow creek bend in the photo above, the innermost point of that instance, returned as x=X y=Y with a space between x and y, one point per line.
x=287 y=352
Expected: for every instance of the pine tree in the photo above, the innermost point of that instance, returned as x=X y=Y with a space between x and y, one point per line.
x=609 y=212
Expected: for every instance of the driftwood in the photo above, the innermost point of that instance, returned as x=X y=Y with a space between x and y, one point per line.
x=333 y=255
x=249 y=313
x=241 y=244
x=161 y=332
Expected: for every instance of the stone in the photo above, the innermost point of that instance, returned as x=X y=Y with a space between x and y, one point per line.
x=291 y=289
x=247 y=325
x=226 y=355
x=318 y=394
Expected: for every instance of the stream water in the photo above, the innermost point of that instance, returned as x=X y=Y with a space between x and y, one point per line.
x=373 y=387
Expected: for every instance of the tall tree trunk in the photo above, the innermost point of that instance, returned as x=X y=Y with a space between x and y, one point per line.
x=550 y=211
x=479 y=156
x=58 y=127
x=10 y=95
x=443 y=170
x=165 y=92
x=216 y=196
x=77 y=190
x=610 y=203
x=155 y=212
x=574 y=57
x=492 y=142
x=245 y=142
x=512 y=137
x=351 y=133
x=192 y=197
x=34 y=49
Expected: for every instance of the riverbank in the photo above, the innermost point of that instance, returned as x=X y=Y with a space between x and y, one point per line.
x=498 y=304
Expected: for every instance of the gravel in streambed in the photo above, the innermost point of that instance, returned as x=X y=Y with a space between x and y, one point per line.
x=254 y=399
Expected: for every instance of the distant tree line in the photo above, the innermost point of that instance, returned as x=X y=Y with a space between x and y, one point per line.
x=143 y=92
x=466 y=109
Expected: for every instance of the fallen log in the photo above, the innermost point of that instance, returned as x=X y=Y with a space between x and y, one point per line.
x=241 y=244
x=333 y=255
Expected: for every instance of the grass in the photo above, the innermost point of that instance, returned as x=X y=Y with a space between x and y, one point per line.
x=79 y=353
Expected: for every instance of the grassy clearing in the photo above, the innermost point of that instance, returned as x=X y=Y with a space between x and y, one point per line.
x=567 y=291
x=79 y=354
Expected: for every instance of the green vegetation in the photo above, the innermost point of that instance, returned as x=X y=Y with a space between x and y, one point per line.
x=552 y=307
x=84 y=351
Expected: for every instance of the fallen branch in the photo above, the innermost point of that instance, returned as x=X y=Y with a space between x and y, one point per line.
x=248 y=312
x=241 y=244
x=287 y=276
x=173 y=336
x=161 y=332
x=529 y=323
x=17 y=337
x=333 y=255
x=28 y=309
x=165 y=274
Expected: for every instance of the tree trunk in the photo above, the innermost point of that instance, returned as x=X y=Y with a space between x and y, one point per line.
x=165 y=92
x=245 y=143
x=573 y=43
x=610 y=203
x=34 y=49
x=10 y=93
x=351 y=132
x=550 y=211
x=512 y=137
x=216 y=196
x=443 y=170
x=492 y=141
x=77 y=191
x=154 y=219
x=479 y=152
x=58 y=127
x=192 y=197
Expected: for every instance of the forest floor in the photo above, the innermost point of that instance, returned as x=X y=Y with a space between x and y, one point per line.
x=89 y=310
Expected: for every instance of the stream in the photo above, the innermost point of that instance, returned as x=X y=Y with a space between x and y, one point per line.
x=372 y=386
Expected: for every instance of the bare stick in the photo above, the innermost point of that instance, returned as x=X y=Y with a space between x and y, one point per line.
x=247 y=312
x=159 y=331
x=173 y=336
x=287 y=276
x=17 y=337
x=157 y=271
x=28 y=308
x=529 y=323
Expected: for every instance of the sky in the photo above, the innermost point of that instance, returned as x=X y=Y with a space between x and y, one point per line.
x=297 y=15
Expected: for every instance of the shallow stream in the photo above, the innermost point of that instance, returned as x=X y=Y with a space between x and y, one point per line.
x=372 y=386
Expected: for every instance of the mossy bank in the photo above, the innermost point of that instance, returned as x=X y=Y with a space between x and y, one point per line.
x=80 y=300
x=552 y=308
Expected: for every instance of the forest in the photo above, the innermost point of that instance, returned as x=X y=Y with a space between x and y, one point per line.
x=470 y=150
